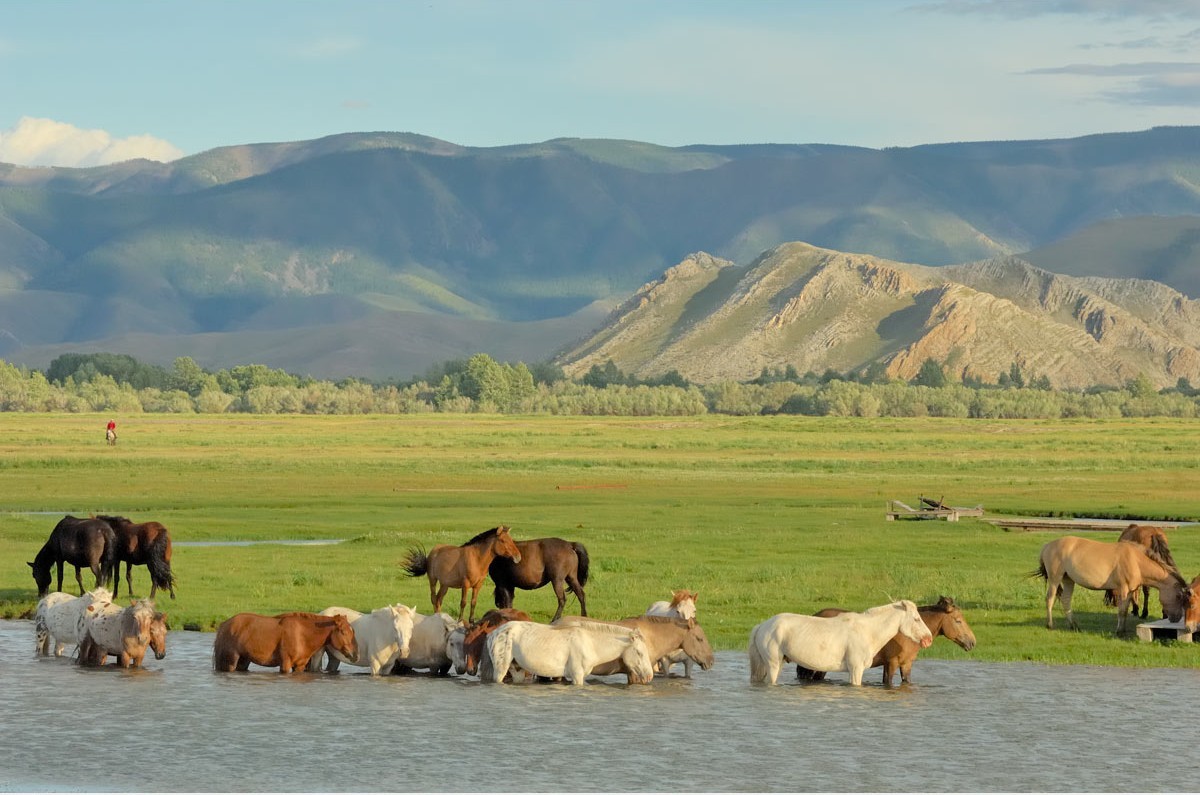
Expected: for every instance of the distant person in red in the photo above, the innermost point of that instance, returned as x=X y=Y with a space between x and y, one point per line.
x=110 y=432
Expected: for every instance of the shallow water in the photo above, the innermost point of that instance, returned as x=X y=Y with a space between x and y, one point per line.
x=963 y=726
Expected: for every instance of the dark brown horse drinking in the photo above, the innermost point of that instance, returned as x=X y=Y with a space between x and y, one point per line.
x=463 y=567
x=79 y=542
x=563 y=564
x=288 y=640
x=147 y=544
x=944 y=618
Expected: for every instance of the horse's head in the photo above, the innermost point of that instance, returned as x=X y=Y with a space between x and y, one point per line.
x=684 y=603
x=41 y=577
x=342 y=637
x=456 y=650
x=912 y=626
x=636 y=658
x=505 y=546
x=158 y=635
x=403 y=618
x=953 y=625
x=696 y=646
x=1190 y=598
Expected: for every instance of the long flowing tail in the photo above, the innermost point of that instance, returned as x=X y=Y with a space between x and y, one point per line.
x=159 y=564
x=417 y=562
x=499 y=651
x=582 y=552
x=758 y=663
x=41 y=633
x=108 y=558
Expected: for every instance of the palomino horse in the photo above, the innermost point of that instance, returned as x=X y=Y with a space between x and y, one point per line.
x=80 y=542
x=666 y=639
x=463 y=567
x=846 y=642
x=1154 y=540
x=475 y=638
x=1122 y=568
x=682 y=605
x=569 y=652
x=384 y=635
x=124 y=633
x=147 y=544
x=944 y=618
x=61 y=619
x=563 y=564
x=288 y=640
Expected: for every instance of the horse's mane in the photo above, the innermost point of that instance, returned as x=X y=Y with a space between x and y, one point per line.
x=111 y=519
x=682 y=596
x=485 y=535
x=672 y=620
x=944 y=605
x=593 y=623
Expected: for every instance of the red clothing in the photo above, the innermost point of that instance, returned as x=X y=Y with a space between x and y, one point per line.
x=112 y=426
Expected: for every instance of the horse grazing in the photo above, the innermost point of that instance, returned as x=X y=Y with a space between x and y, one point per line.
x=1121 y=568
x=147 y=544
x=124 y=633
x=383 y=636
x=462 y=567
x=569 y=652
x=474 y=641
x=1155 y=541
x=682 y=605
x=846 y=642
x=61 y=619
x=563 y=564
x=80 y=542
x=430 y=645
x=944 y=618
x=288 y=640
x=670 y=639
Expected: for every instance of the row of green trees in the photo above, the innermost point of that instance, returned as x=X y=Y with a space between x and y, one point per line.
x=481 y=384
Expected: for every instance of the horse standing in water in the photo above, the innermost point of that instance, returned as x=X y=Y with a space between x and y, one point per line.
x=1155 y=541
x=147 y=544
x=80 y=542
x=463 y=567
x=288 y=640
x=564 y=564
x=124 y=633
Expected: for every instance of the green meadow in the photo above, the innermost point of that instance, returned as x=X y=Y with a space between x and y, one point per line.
x=761 y=515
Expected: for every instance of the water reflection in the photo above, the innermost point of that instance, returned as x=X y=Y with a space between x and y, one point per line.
x=963 y=726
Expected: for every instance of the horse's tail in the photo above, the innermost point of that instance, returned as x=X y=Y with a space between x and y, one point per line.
x=108 y=558
x=1040 y=571
x=758 y=663
x=1110 y=598
x=499 y=652
x=582 y=553
x=41 y=632
x=158 y=561
x=417 y=562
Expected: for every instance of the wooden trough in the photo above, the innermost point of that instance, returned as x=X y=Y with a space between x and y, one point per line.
x=930 y=510
x=1165 y=630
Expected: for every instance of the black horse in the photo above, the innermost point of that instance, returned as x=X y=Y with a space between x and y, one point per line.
x=543 y=560
x=80 y=542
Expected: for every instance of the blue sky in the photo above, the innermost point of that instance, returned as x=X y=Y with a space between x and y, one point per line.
x=90 y=82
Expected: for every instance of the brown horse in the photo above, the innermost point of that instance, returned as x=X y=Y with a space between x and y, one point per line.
x=80 y=542
x=147 y=544
x=1122 y=568
x=476 y=637
x=463 y=567
x=665 y=637
x=564 y=564
x=1154 y=540
x=944 y=618
x=288 y=640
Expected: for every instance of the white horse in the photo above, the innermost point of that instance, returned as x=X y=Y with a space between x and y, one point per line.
x=682 y=605
x=430 y=644
x=569 y=651
x=124 y=633
x=60 y=619
x=846 y=642
x=456 y=649
x=384 y=635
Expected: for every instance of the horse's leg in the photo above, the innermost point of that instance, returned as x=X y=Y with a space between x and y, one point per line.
x=1068 y=589
x=890 y=664
x=79 y=579
x=437 y=594
x=1051 y=594
x=856 y=670
x=577 y=589
x=129 y=579
x=1145 y=601
x=560 y=594
x=462 y=603
x=60 y=568
x=1123 y=609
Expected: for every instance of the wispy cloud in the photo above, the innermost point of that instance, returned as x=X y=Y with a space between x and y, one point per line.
x=330 y=47
x=1106 y=9
x=1150 y=83
x=45 y=142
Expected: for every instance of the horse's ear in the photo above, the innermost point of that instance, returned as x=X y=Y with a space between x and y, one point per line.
x=30 y=565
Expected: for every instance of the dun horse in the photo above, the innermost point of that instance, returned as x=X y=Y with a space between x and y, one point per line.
x=147 y=544
x=80 y=542
x=463 y=567
x=563 y=564
x=1121 y=568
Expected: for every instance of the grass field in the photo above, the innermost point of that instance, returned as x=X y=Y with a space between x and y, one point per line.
x=761 y=515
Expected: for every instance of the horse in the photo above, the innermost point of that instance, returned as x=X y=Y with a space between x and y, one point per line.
x=846 y=642
x=147 y=544
x=475 y=637
x=462 y=567
x=666 y=639
x=80 y=542
x=570 y=652
x=383 y=637
x=124 y=633
x=682 y=605
x=61 y=619
x=288 y=640
x=1121 y=568
x=1154 y=540
x=564 y=564
x=429 y=648
x=944 y=618
x=110 y=436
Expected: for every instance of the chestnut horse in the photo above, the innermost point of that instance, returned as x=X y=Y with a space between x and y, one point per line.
x=147 y=544
x=1154 y=540
x=564 y=564
x=80 y=542
x=1122 y=567
x=463 y=567
x=474 y=648
x=944 y=618
x=288 y=640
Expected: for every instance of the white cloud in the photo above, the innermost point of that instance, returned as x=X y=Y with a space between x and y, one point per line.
x=45 y=142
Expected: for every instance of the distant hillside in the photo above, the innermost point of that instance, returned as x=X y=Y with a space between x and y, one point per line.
x=228 y=242
x=816 y=309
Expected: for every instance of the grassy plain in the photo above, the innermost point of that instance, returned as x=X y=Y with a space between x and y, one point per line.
x=761 y=515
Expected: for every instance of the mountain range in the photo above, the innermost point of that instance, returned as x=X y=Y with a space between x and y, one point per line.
x=378 y=254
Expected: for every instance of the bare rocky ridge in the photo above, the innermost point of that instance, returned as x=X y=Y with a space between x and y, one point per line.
x=816 y=309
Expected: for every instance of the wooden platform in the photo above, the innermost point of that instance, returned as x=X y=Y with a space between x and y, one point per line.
x=950 y=513
x=1165 y=630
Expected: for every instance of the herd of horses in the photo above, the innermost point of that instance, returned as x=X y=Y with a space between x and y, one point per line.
x=506 y=643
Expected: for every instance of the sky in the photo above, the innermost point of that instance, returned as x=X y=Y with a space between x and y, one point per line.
x=87 y=83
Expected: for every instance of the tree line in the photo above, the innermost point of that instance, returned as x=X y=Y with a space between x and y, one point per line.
x=105 y=382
